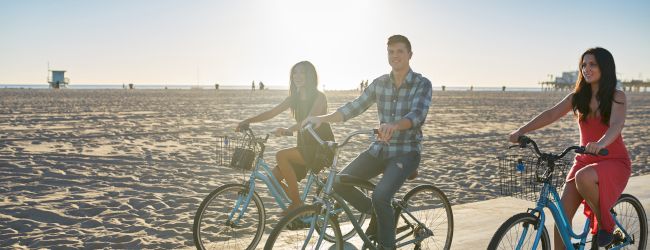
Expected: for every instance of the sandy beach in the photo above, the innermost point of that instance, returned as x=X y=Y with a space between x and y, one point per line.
x=128 y=169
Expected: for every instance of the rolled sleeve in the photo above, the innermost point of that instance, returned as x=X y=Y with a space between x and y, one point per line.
x=359 y=105
x=420 y=104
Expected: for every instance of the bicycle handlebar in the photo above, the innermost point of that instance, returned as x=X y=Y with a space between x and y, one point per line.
x=310 y=128
x=525 y=140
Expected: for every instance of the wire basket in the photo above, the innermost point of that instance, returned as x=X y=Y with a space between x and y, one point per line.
x=521 y=174
x=236 y=151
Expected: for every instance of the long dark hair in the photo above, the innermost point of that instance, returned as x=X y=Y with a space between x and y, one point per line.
x=311 y=85
x=606 y=86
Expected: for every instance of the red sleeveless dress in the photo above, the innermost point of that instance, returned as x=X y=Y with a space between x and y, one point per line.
x=613 y=170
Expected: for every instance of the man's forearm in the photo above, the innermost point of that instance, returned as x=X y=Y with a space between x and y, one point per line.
x=404 y=124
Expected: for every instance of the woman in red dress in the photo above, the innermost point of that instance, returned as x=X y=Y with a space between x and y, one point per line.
x=600 y=111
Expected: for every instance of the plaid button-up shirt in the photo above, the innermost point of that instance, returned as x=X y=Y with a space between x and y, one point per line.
x=410 y=101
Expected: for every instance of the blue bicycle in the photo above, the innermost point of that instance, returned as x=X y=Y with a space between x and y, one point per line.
x=233 y=215
x=521 y=177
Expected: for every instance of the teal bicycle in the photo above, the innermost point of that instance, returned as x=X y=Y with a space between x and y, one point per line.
x=233 y=216
x=423 y=216
x=521 y=176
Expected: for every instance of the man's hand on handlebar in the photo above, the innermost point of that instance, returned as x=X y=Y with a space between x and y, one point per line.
x=386 y=131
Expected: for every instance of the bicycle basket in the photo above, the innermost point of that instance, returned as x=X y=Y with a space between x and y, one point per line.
x=521 y=173
x=236 y=151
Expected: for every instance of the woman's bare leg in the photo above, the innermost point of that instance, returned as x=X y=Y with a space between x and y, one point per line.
x=278 y=176
x=570 y=201
x=587 y=185
x=285 y=158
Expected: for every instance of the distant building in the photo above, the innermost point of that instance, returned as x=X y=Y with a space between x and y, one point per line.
x=565 y=82
x=568 y=81
x=57 y=79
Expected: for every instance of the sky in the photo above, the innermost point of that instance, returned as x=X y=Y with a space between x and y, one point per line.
x=455 y=43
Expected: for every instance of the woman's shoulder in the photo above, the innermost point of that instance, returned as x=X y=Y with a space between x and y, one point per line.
x=619 y=96
x=320 y=94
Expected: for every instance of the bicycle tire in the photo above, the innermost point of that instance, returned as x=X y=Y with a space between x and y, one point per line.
x=637 y=225
x=286 y=232
x=427 y=200
x=527 y=220
x=205 y=223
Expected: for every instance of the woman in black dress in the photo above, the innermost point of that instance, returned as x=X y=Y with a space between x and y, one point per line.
x=304 y=100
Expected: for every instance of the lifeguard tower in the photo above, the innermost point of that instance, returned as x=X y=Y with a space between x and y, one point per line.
x=57 y=79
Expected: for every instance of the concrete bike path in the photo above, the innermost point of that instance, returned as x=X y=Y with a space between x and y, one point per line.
x=475 y=223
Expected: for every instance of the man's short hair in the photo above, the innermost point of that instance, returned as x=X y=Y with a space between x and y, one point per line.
x=399 y=39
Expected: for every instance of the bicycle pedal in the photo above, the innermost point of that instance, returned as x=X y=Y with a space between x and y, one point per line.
x=619 y=238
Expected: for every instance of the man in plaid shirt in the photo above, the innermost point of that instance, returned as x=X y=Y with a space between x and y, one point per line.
x=403 y=98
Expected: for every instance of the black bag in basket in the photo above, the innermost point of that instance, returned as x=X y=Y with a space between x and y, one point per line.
x=242 y=159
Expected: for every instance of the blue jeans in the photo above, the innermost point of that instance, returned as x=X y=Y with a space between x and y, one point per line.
x=396 y=170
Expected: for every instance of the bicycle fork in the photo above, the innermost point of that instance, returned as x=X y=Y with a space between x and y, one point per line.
x=241 y=205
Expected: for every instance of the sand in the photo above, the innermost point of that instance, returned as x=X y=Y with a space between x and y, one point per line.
x=128 y=169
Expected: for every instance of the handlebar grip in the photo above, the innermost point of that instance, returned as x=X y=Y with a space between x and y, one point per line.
x=244 y=126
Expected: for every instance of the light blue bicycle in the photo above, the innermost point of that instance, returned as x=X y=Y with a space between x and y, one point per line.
x=233 y=215
x=423 y=216
x=520 y=176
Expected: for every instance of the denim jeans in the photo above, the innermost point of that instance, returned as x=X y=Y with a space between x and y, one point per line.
x=396 y=170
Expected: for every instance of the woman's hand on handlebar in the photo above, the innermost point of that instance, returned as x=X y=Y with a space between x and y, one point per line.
x=514 y=136
x=243 y=125
x=593 y=148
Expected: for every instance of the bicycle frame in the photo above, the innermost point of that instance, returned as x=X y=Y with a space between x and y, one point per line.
x=329 y=192
x=357 y=227
x=263 y=172
x=557 y=211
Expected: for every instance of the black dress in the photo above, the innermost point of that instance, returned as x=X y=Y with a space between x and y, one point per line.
x=316 y=157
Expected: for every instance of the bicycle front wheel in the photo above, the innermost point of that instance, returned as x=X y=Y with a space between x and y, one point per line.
x=230 y=217
x=519 y=232
x=298 y=230
x=430 y=207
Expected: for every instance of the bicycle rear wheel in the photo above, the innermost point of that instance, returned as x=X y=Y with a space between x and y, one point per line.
x=629 y=212
x=520 y=230
x=431 y=207
x=297 y=230
x=217 y=224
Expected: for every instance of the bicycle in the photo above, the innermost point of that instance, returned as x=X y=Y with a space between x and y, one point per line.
x=233 y=216
x=425 y=212
x=523 y=182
